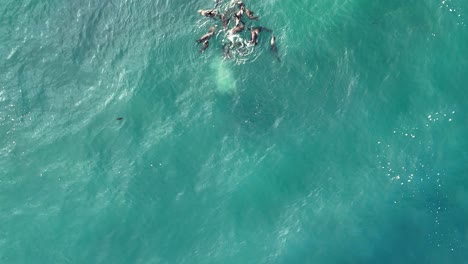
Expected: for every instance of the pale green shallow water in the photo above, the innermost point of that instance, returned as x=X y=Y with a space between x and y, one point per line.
x=354 y=149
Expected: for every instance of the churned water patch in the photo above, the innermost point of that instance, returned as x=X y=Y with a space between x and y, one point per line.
x=224 y=76
x=411 y=159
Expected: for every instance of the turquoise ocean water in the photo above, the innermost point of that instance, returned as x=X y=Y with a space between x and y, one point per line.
x=353 y=149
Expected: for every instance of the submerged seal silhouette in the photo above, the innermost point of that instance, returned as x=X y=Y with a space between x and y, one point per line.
x=273 y=47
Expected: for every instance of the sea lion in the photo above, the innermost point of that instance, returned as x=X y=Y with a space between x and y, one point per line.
x=237 y=28
x=254 y=34
x=250 y=14
x=207 y=36
x=208 y=13
x=119 y=118
x=239 y=14
x=224 y=20
x=205 y=45
x=273 y=47
x=238 y=21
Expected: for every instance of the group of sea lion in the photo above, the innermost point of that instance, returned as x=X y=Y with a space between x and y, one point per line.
x=236 y=13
